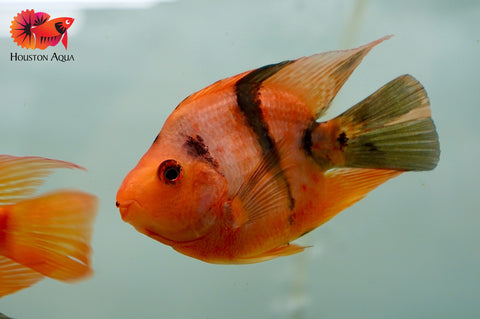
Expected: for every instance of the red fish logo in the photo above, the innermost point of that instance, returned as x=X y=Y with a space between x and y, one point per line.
x=34 y=30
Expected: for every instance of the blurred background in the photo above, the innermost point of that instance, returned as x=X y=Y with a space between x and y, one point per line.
x=408 y=250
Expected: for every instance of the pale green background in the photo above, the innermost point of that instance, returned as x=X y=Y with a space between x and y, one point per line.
x=409 y=250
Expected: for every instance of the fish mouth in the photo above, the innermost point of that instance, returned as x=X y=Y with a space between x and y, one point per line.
x=124 y=207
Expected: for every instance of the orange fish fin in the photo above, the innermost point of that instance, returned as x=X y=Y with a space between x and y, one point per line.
x=20 y=176
x=285 y=250
x=264 y=191
x=390 y=129
x=51 y=234
x=217 y=87
x=346 y=186
x=20 y=29
x=14 y=276
x=317 y=79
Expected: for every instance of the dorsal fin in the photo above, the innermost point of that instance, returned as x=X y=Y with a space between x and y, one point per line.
x=317 y=79
x=213 y=88
x=41 y=18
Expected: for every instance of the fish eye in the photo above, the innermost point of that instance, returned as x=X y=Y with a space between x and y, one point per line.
x=67 y=21
x=170 y=172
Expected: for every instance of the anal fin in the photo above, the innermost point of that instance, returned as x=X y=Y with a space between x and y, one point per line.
x=346 y=186
x=281 y=251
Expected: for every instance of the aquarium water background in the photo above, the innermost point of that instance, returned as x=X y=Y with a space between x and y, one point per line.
x=410 y=249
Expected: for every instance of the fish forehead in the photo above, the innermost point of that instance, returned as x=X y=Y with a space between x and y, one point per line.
x=207 y=116
x=214 y=119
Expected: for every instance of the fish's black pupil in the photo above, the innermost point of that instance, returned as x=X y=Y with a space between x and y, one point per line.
x=172 y=173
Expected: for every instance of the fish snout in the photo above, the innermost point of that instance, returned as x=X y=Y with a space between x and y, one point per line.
x=124 y=207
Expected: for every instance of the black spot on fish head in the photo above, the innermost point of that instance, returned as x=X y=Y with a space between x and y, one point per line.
x=196 y=147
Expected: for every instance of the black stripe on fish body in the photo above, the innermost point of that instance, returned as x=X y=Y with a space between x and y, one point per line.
x=196 y=147
x=248 y=99
x=247 y=91
x=307 y=142
x=342 y=140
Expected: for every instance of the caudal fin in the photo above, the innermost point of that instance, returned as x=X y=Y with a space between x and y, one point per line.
x=21 y=29
x=390 y=129
x=14 y=277
x=51 y=234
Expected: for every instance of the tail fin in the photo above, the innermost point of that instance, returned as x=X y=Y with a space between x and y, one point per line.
x=51 y=234
x=21 y=29
x=14 y=277
x=20 y=176
x=390 y=129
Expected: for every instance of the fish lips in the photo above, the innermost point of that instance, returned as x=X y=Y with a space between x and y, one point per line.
x=125 y=208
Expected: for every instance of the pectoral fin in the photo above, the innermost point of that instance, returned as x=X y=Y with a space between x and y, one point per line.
x=265 y=190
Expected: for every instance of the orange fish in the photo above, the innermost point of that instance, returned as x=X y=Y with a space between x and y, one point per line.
x=44 y=236
x=242 y=168
x=33 y=30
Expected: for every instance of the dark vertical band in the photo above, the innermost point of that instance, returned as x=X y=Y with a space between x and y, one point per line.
x=307 y=142
x=248 y=100
x=247 y=90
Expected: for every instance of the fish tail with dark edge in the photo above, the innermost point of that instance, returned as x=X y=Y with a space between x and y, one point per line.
x=391 y=129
